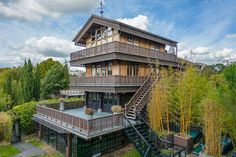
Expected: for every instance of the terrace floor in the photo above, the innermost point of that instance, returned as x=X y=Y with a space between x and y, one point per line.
x=79 y=112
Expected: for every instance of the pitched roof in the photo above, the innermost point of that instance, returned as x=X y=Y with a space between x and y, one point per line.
x=95 y=21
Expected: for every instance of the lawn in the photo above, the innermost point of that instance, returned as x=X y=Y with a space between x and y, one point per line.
x=8 y=150
x=132 y=153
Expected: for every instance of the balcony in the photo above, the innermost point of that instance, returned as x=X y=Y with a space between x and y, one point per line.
x=74 y=120
x=122 y=48
x=112 y=80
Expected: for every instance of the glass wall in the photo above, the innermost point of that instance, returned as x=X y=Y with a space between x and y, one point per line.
x=102 y=100
x=54 y=139
x=101 y=145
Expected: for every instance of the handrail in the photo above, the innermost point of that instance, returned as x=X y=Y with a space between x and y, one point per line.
x=158 y=137
x=128 y=105
x=121 y=47
x=138 y=134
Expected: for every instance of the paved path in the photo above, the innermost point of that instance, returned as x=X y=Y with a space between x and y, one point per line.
x=28 y=150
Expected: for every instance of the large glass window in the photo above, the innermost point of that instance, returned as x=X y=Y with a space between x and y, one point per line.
x=132 y=70
x=104 y=69
x=109 y=69
x=98 y=70
x=93 y=70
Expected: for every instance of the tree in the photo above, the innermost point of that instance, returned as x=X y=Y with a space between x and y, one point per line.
x=54 y=81
x=190 y=89
x=5 y=127
x=36 y=84
x=45 y=66
x=159 y=106
x=8 y=85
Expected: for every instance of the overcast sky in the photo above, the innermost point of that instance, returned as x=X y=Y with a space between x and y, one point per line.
x=39 y=29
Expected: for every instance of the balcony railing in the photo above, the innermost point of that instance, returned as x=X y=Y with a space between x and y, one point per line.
x=112 y=80
x=122 y=48
x=86 y=128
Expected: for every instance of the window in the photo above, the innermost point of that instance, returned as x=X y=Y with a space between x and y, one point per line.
x=98 y=70
x=132 y=41
x=132 y=70
x=104 y=69
x=109 y=31
x=93 y=70
x=155 y=47
x=109 y=69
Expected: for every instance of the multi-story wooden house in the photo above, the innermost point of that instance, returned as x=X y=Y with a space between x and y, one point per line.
x=119 y=60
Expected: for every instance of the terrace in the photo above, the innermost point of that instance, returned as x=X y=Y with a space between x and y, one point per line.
x=123 y=51
x=74 y=120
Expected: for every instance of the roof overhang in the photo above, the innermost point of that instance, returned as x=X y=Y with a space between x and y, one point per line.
x=96 y=21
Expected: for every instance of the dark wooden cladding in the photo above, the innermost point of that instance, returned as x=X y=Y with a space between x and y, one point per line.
x=86 y=127
x=122 y=27
x=112 y=80
x=118 y=47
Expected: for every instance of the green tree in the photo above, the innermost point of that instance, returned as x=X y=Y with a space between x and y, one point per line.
x=5 y=127
x=36 y=84
x=54 y=81
x=45 y=66
x=8 y=85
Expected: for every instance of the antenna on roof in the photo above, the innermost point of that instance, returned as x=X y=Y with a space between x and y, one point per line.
x=101 y=8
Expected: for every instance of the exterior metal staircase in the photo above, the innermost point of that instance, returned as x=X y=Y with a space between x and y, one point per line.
x=138 y=131
x=140 y=98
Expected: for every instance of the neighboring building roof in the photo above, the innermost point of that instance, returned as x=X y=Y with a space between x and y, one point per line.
x=96 y=21
x=72 y=92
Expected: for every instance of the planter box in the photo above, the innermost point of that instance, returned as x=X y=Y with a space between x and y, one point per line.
x=185 y=141
x=169 y=137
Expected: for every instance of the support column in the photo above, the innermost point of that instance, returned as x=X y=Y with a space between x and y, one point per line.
x=69 y=145
x=40 y=131
x=86 y=98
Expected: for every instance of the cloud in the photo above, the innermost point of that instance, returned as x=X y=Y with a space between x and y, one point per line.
x=34 y=10
x=231 y=36
x=139 y=21
x=207 y=54
x=38 y=49
x=50 y=46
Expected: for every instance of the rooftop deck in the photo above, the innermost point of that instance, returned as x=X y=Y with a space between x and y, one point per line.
x=75 y=121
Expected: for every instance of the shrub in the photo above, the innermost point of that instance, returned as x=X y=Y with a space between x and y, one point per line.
x=61 y=100
x=25 y=113
x=89 y=111
x=116 y=109
x=5 y=126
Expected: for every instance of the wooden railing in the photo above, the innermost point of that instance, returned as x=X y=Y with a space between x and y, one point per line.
x=112 y=80
x=84 y=127
x=122 y=48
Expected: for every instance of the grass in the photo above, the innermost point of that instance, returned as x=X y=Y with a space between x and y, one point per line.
x=132 y=153
x=36 y=143
x=50 y=151
x=8 y=150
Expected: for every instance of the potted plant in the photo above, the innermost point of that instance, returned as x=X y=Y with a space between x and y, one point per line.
x=62 y=104
x=89 y=112
x=116 y=109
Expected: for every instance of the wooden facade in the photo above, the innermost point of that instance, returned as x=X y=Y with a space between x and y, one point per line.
x=118 y=59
